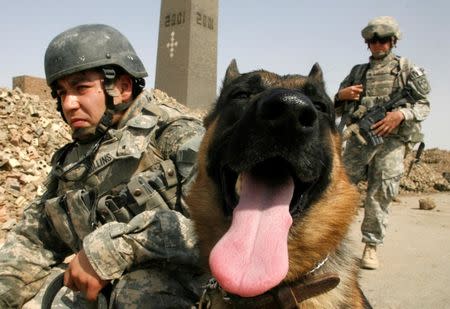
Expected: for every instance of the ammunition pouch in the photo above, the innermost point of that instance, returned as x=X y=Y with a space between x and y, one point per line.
x=78 y=212
x=70 y=216
x=156 y=187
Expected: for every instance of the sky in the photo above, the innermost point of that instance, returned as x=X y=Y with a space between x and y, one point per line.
x=283 y=36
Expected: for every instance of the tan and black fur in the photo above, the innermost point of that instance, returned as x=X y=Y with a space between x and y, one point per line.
x=257 y=123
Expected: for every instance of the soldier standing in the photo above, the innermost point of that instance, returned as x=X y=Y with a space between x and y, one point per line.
x=114 y=196
x=382 y=166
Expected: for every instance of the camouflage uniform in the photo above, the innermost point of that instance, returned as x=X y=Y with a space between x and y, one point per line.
x=382 y=165
x=152 y=258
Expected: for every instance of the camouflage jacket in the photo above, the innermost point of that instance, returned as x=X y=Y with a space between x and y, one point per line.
x=381 y=78
x=152 y=139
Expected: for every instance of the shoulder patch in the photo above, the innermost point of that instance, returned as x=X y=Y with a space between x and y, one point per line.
x=419 y=80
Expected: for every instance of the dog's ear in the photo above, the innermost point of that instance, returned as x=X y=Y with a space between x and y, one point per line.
x=231 y=73
x=316 y=74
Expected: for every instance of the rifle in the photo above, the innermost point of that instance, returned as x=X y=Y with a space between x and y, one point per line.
x=378 y=112
x=417 y=158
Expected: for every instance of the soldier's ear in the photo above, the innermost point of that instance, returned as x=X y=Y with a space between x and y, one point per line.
x=316 y=74
x=231 y=73
x=124 y=85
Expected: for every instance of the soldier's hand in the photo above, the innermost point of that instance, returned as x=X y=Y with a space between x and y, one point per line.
x=80 y=276
x=386 y=125
x=351 y=93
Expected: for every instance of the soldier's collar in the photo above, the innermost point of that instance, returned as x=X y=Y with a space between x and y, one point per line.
x=134 y=109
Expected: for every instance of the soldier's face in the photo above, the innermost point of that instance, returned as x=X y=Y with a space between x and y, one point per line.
x=380 y=48
x=82 y=99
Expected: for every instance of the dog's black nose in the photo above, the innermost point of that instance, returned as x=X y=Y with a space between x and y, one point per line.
x=287 y=109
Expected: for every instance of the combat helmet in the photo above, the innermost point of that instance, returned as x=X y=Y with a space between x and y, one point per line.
x=382 y=26
x=90 y=46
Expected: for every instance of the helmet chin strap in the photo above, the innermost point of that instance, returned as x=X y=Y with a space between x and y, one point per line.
x=106 y=121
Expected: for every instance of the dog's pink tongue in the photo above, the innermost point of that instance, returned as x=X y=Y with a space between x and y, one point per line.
x=252 y=257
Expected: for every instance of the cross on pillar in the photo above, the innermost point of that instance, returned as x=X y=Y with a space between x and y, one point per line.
x=172 y=44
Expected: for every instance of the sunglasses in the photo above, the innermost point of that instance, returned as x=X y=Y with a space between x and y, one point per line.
x=79 y=170
x=382 y=40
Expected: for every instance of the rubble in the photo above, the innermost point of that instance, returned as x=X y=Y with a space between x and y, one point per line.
x=427 y=204
x=166 y=99
x=428 y=174
x=30 y=131
x=446 y=176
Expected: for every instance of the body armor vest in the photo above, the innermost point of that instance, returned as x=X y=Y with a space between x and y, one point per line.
x=125 y=152
x=381 y=80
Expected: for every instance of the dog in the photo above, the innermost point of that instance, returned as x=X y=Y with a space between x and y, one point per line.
x=271 y=203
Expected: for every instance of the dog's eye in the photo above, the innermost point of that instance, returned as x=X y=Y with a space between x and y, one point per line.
x=240 y=95
x=322 y=107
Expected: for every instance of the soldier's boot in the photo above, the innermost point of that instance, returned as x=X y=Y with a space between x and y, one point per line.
x=369 y=259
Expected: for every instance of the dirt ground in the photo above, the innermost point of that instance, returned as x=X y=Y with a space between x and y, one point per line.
x=414 y=267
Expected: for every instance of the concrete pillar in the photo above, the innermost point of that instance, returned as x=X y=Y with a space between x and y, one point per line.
x=186 y=67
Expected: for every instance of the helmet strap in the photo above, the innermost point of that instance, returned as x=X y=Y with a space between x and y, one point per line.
x=58 y=103
x=393 y=42
x=110 y=93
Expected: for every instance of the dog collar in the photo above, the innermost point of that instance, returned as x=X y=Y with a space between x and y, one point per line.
x=284 y=295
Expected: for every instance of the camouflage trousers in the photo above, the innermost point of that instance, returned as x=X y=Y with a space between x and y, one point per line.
x=382 y=167
x=144 y=288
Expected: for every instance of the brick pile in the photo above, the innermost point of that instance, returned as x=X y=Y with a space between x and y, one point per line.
x=427 y=175
x=30 y=131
